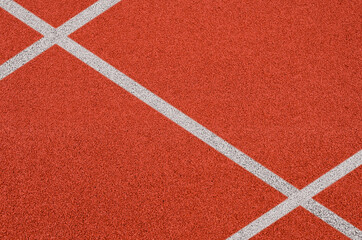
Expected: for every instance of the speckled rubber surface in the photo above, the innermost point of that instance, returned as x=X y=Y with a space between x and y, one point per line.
x=180 y=119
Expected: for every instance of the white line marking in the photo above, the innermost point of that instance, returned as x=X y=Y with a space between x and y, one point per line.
x=27 y=17
x=86 y=16
x=296 y=197
x=51 y=34
x=176 y=116
x=304 y=198
x=333 y=219
x=59 y=36
x=25 y=56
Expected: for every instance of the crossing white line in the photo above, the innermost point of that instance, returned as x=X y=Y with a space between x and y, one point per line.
x=59 y=36
x=304 y=198
x=51 y=34
x=27 y=17
x=295 y=197
x=25 y=56
x=333 y=219
x=86 y=16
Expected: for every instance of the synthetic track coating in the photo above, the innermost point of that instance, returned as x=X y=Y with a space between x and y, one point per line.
x=88 y=154
x=83 y=159
x=56 y=12
x=278 y=81
x=15 y=36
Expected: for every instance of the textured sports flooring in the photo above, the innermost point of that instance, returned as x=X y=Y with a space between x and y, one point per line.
x=180 y=119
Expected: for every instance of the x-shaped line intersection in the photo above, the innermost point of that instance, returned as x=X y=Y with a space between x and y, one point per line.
x=295 y=196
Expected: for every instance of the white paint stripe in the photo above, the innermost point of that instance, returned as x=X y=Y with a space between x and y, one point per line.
x=266 y=219
x=27 y=17
x=333 y=175
x=296 y=197
x=304 y=198
x=25 y=56
x=333 y=219
x=176 y=116
x=163 y=107
x=86 y=16
x=50 y=33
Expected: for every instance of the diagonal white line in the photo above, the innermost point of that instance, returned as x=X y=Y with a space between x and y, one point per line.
x=160 y=105
x=176 y=116
x=333 y=219
x=266 y=219
x=304 y=198
x=25 y=56
x=151 y=99
x=50 y=33
x=27 y=17
x=296 y=197
x=333 y=175
x=86 y=16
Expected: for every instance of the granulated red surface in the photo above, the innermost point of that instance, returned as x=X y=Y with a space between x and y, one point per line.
x=300 y=224
x=56 y=12
x=345 y=197
x=14 y=36
x=278 y=80
x=81 y=158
